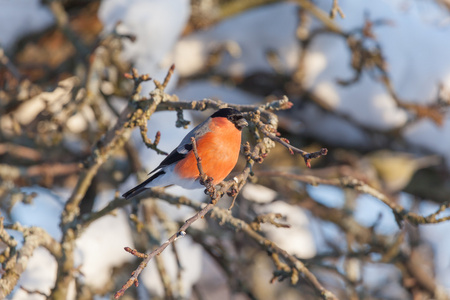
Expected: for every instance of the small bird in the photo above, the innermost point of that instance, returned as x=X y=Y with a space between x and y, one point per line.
x=396 y=169
x=218 y=141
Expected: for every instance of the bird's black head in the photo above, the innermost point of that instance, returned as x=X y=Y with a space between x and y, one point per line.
x=233 y=115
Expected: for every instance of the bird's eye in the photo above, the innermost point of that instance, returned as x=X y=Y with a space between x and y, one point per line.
x=234 y=118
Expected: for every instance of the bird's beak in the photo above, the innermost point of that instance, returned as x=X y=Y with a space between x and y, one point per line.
x=241 y=123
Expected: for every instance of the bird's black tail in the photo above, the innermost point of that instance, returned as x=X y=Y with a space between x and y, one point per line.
x=135 y=191
x=141 y=187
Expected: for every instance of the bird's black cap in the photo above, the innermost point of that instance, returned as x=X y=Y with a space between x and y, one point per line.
x=232 y=115
x=225 y=112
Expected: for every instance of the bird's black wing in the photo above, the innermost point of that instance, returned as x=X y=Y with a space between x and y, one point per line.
x=175 y=156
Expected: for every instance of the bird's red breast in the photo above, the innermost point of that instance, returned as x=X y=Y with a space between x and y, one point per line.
x=218 y=150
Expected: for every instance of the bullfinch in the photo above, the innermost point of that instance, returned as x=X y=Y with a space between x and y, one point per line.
x=218 y=141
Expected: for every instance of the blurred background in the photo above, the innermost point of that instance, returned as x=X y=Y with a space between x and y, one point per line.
x=369 y=80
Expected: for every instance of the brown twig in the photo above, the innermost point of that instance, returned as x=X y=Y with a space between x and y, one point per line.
x=271 y=133
x=267 y=218
x=168 y=76
x=48 y=171
x=34 y=292
x=336 y=10
x=320 y=15
x=135 y=252
x=205 y=180
x=19 y=151
x=148 y=142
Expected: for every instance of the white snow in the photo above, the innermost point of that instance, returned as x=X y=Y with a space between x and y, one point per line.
x=258 y=193
x=296 y=240
x=40 y=275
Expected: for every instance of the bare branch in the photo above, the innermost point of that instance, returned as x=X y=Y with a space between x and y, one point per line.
x=267 y=218
x=336 y=10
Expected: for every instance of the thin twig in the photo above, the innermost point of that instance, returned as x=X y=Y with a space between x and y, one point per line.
x=336 y=10
x=271 y=133
x=205 y=180
x=152 y=145
x=267 y=218
x=168 y=76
